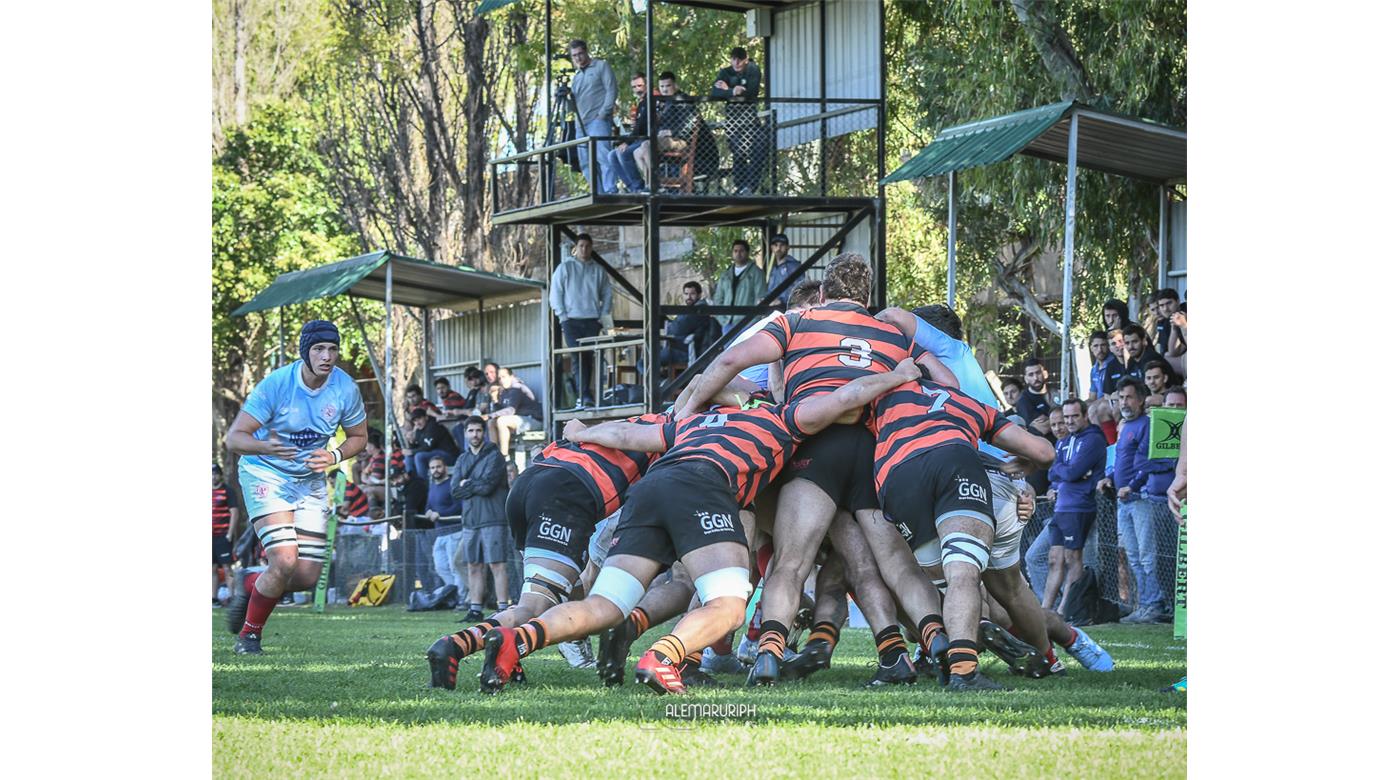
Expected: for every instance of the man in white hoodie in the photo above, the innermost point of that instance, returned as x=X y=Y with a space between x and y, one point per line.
x=581 y=297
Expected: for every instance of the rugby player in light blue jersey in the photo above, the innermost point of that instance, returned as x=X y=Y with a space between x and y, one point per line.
x=281 y=434
x=938 y=329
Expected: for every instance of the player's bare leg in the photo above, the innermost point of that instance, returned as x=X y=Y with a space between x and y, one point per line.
x=286 y=573
x=828 y=617
x=544 y=588
x=960 y=538
x=863 y=572
x=1055 y=578
x=917 y=595
x=662 y=601
x=722 y=585
x=803 y=517
x=564 y=622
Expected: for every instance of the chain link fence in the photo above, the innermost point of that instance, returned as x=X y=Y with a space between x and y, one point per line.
x=419 y=559
x=1130 y=570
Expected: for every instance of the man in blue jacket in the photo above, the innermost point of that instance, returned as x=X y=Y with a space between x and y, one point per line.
x=1152 y=520
x=1079 y=466
x=1128 y=462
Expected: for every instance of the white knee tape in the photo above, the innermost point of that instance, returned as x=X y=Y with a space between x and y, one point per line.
x=555 y=586
x=272 y=536
x=964 y=548
x=733 y=581
x=928 y=553
x=619 y=587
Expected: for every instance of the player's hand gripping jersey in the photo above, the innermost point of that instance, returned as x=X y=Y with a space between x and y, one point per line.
x=606 y=471
x=919 y=416
x=749 y=445
x=830 y=345
x=300 y=416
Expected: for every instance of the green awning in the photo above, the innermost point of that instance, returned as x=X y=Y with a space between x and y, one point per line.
x=417 y=283
x=487 y=6
x=1107 y=142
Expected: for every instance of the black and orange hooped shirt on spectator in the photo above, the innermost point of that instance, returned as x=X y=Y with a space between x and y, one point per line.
x=749 y=445
x=376 y=463
x=919 y=416
x=356 y=502
x=222 y=506
x=607 y=472
x=453 y=401
x=830 y=345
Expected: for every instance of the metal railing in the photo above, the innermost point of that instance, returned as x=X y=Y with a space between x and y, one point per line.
x=770 y=147
x=1124 y=571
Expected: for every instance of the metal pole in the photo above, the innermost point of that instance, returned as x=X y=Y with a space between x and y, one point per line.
x=881 y=288
x=952 y=237
x=652 y=320
x=1163 y=211
x=480 y=331
x=427 y=351
x=653 y=155
x=1066 y=348
x=389 y=363
x=281 y=335
x=546 y=162
x=391 y=424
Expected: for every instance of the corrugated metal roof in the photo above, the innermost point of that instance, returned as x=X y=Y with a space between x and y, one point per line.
x=1107 y=142
x=416 y=283
x=487 y=6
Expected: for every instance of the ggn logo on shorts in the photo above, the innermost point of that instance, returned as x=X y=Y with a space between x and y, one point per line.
x=712 y=523
x=552 y=530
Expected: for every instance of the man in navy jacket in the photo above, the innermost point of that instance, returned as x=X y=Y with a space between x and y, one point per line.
x=1127 y=465
x=1079 y=466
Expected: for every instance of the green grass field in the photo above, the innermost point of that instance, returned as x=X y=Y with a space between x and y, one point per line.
x=345 y=694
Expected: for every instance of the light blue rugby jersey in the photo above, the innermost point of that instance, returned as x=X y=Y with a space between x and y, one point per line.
x=302 y=417
x=957 y=356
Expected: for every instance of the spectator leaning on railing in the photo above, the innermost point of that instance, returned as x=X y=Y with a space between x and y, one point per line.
x=1079 y=465
x=581 y=297
x=1128 y=464
x=441 y=505
x=595 y=94
x=741 y=83
x=1152 y=520
x=479 y=483
x=624 y=155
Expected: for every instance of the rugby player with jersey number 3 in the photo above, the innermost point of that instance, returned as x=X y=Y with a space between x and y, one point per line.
x=687 y=508
x=821 y=350
x=281 y=435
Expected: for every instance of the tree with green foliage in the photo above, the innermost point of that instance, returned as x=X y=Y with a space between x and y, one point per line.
x=272 y=213
x=960 y=62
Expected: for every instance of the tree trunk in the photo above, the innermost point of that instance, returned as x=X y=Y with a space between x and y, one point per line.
x=240 y=62
x=1055 y=50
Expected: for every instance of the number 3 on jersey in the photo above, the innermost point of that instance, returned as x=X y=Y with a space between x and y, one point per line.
x=860 y=353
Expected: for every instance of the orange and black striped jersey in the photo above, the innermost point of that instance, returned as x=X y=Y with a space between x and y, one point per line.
x=607 y=472
x=919 y=416
x=749 y=445
x=830 y=345
x=222 y=506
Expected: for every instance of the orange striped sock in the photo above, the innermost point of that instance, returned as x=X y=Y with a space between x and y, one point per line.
x=531 y=637
x=469 y=640
x=774 y=637
x=928 y=629
x=825 y=631
x=889 y=643
x=639 y=621
x=671 y=648
x=962 y=657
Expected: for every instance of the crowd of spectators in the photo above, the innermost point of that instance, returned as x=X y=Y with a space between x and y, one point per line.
x=1102 y=462
x=681 y=132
